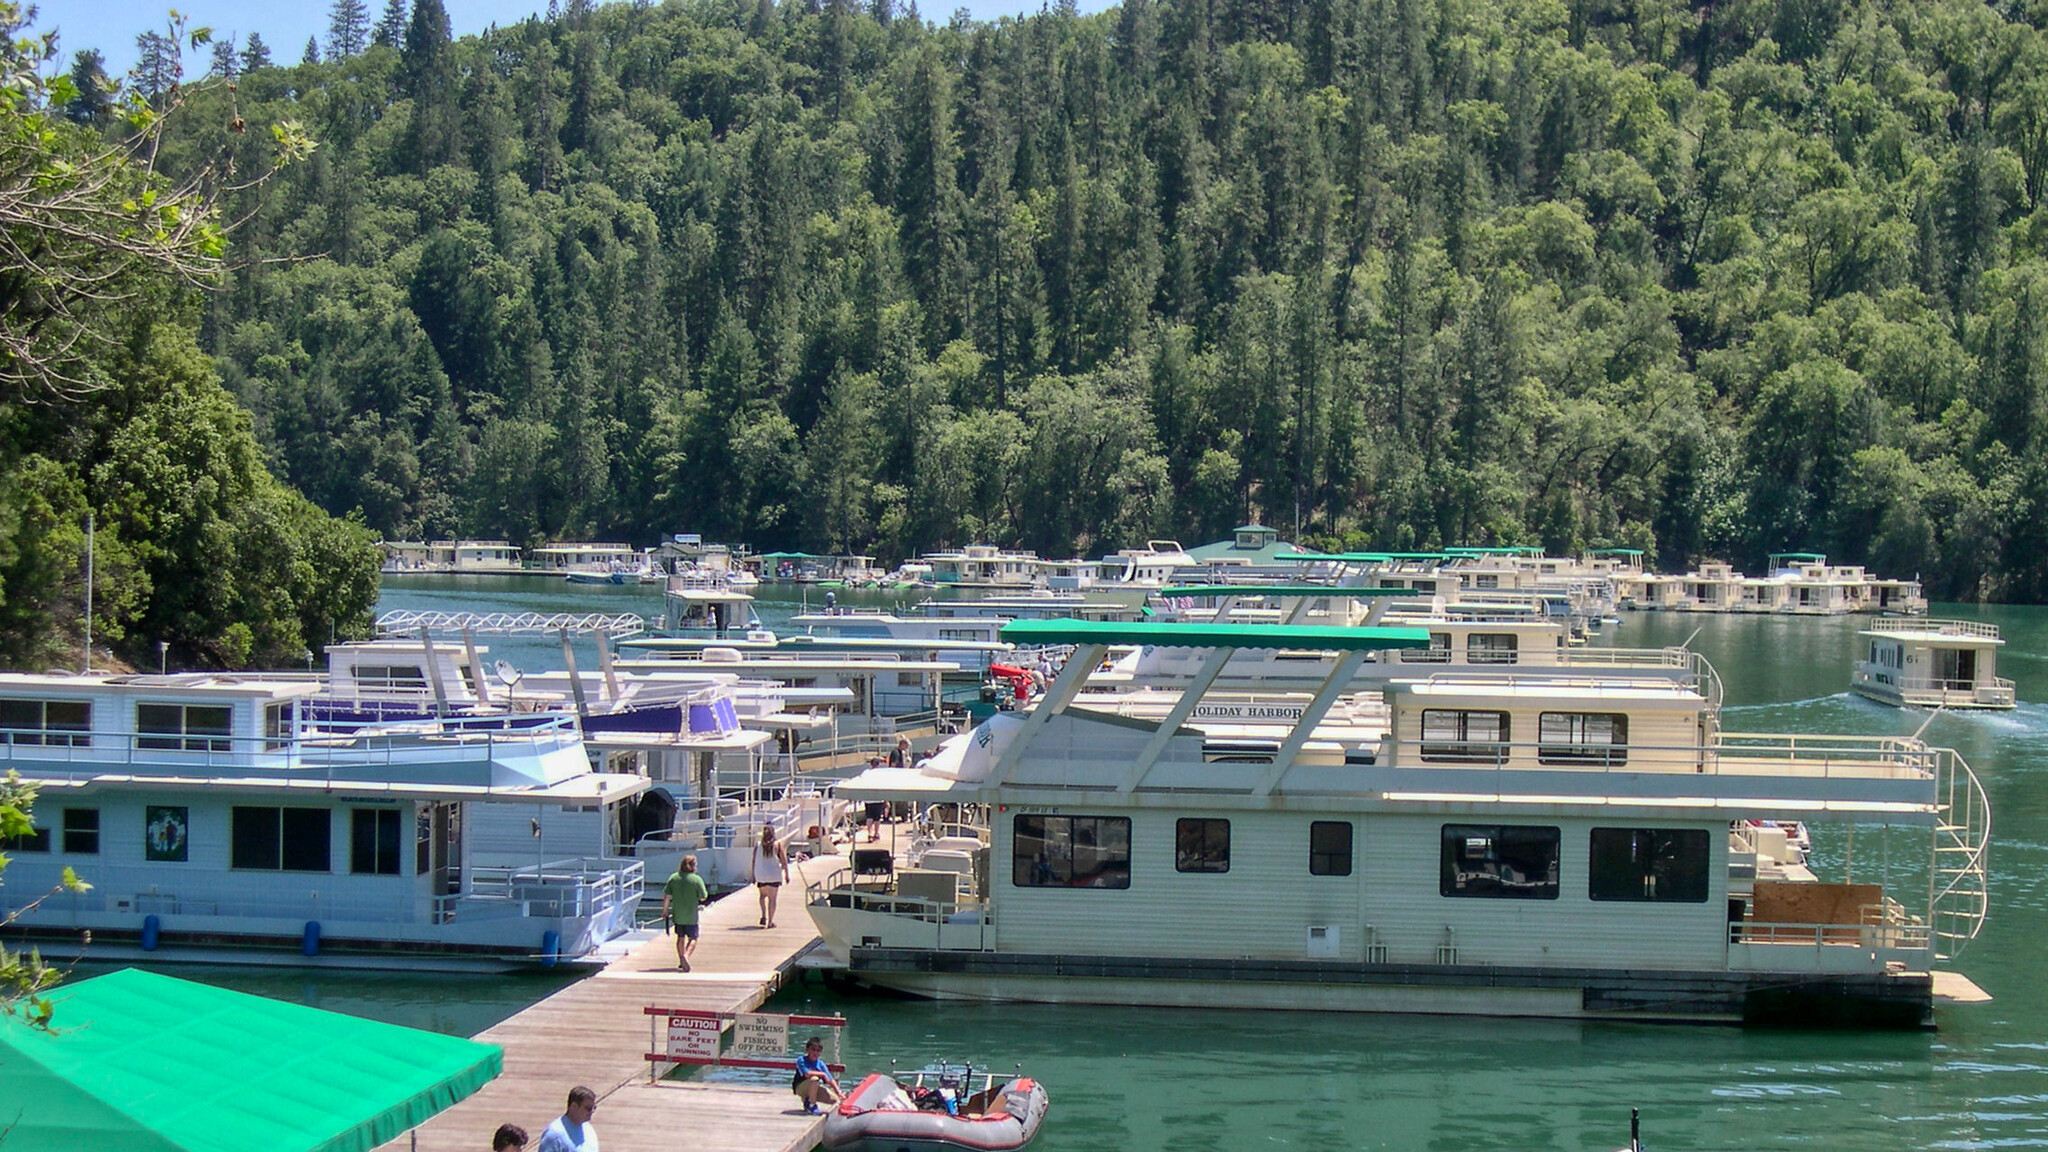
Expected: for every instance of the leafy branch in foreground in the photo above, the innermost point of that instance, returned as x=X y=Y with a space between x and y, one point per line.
x=24 y=977
x=87 y=222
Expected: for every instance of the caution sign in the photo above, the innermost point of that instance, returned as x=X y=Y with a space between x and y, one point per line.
x=760 y=1034
x=693 y=1039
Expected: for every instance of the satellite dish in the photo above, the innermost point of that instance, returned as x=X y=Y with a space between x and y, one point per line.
x=507 y=673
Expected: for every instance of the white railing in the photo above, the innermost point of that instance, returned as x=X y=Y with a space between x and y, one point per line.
x=578 y=888
x=440 y=741
x=1993 y=691
x=1846 y=757
x=1972 y=628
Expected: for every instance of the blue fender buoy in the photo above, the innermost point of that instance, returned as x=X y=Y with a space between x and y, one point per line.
x=151 y=929
x=550 y=948
x=311 y=944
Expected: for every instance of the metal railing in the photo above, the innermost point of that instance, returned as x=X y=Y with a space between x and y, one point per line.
x=1973 y=628
x=455 y=739
x=1990 y=690
x=576 y=888
x=1821 y=756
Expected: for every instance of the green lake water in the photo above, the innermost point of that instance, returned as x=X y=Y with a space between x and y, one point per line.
x=1157 y=1079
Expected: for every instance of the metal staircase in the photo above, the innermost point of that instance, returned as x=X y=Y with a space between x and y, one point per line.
x=1960 y=889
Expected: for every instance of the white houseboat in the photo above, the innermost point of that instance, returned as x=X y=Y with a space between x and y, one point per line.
x=209 y=810
x=1933 y=664
x=1587 y=850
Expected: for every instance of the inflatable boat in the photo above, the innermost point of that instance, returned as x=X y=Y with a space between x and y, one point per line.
x=933 y=1112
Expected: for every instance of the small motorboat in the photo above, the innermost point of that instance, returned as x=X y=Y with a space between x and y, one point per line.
x=936 y=1112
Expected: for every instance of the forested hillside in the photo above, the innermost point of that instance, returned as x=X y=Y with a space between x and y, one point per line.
x=1714 y=279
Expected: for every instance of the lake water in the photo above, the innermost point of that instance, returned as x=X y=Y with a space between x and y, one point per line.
x=1154 y=1079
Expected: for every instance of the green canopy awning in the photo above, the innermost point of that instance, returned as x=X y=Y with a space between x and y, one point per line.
x=140 y=1062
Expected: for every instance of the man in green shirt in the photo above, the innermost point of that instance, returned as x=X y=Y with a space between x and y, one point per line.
x=680 y=898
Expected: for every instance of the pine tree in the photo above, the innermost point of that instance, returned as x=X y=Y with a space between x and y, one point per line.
x=158 y=67
x=226 y=63
x=391 y=28
x=255 y=53
x=95 y=91
x=312 y=54
x=426 y=72
x=348 y=29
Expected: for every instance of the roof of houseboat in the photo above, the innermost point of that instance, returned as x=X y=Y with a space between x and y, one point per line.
x=1213 y=635
x=1279 y=591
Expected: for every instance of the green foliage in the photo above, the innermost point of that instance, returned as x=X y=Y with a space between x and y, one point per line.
x=113 y=416
x=1721 y=281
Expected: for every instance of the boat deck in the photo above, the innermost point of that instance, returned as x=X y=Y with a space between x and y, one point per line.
x=594 y=1033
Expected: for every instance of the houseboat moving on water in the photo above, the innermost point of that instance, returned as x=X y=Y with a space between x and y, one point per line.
x=1550 y=847
x=210 y=810
x=1933 y=664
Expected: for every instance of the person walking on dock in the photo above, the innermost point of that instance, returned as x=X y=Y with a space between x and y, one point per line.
x=572 y=1131
x=680 y=898
x=771 y=867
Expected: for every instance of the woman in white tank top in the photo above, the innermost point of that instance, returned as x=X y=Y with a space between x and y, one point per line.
x=771 y=867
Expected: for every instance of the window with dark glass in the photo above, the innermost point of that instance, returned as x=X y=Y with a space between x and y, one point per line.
x=184 y=727
x=389 y=677
x=1201 y=845
x=61 y=722
x=1438 y=652
x=1463 y=736
x=82 y=831
x=1329 y=848
x=277 y=724
x=1490 y=648
x=1506 y=861
x=374 y=841
x=281 y=839
x=1071 y=852
x=1582 y=738
x=1663 y=865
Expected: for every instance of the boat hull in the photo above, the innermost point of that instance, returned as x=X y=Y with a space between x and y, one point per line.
x=871 y=1119
x=1769 y=999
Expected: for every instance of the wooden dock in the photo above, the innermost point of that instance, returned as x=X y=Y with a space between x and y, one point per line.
x=595 y=1033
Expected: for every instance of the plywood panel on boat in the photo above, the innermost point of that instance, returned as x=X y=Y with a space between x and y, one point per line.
x=595 y=1033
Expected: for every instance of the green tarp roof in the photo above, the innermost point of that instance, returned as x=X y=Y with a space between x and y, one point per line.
x=146 y=1063
x=1213 y=635
x=1278 y=591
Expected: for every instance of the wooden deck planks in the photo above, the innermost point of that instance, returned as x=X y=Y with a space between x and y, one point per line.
x=594 y=1033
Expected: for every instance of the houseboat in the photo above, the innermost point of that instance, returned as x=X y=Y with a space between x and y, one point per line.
x=1544 y=847
x=210 y=810
x=1932 y=664
x=983 y=566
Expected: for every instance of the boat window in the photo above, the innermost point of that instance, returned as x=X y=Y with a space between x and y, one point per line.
x=1438 y=652
x=1462 y=736
x=389 y=677
x=183 y=727
x=1486 y=581
x=1506 y=861
x=373 y=841
x=82 y=831
x=277 y=724
x=62 y=722
x=1490 y=648
x=1201 y=845
x=1582 y=738
x=1666 y=865
x=281 y=839
x=1329 y=848
x=1072 y=852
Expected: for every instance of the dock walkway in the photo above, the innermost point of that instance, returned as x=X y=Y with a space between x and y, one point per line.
x=594 y=1033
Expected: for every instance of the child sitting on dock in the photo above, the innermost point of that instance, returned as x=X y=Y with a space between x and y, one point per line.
x=814 y=1081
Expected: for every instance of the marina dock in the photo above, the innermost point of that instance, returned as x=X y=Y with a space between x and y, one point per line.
x=595 y=1033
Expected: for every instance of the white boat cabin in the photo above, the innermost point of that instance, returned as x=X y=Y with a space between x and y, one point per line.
x=1544 y=847
x=1932 y=664
x=208 y=809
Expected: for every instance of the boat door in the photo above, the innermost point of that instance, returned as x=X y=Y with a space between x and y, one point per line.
x=1955 y=668
x=440 y=855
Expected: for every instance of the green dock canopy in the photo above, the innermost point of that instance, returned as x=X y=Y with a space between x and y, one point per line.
x=1213 y=635
x=1279 y=591
x=146 y=1063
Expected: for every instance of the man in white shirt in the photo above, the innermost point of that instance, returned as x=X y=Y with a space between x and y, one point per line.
x=572 y=1131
